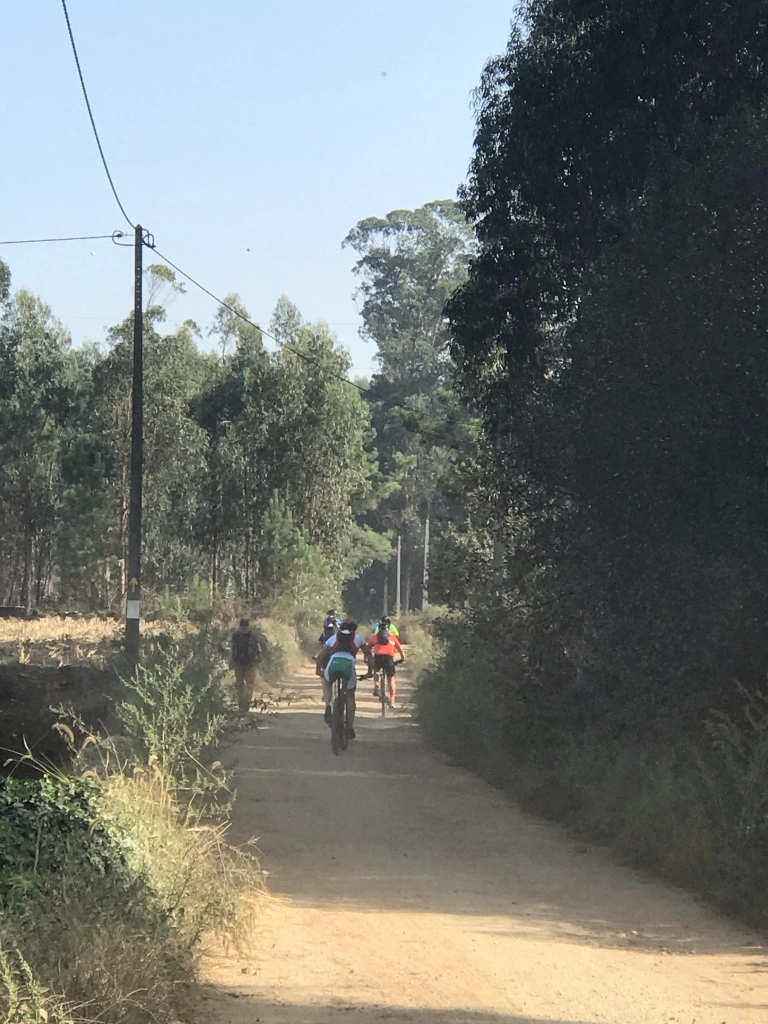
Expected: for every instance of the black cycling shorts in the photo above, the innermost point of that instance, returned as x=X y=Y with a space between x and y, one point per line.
x=384 y=663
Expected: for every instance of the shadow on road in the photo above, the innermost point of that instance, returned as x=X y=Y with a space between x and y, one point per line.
x=390 y=826
x=239 y=1007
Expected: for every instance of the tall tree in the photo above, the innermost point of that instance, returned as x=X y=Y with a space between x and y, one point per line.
x=410 y=262
x=33 y=416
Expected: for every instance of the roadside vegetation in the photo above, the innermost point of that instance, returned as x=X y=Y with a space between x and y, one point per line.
x=114 y=860
x=609 y=664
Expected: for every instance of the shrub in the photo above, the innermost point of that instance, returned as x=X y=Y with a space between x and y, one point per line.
x=23 y=1000
x=106 y=886
x=176 y=710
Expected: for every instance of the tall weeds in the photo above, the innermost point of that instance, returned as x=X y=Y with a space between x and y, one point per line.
x=111 y=875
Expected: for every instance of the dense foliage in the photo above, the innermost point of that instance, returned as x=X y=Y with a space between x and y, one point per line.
x=237 y=446
x=611 y=335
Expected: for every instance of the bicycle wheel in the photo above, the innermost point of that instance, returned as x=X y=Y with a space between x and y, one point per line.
x=338 y=718
x=344 y=738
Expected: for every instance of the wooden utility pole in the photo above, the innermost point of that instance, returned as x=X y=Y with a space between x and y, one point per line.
x=137 y=460
x=399 y=573
x=425 y=578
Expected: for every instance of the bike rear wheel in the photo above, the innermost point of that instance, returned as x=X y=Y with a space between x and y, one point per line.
x=339 y=740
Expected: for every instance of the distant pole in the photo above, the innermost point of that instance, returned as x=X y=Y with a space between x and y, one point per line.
x=386 y=589
x=137 y=461
x=425 y=583
x=399 y=568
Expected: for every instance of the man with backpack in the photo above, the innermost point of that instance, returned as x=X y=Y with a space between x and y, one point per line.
x=244 y=656
x=385 y=643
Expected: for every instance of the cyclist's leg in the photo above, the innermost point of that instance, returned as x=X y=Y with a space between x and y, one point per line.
x=327 y=688
x=351 y=708
x=391 y=682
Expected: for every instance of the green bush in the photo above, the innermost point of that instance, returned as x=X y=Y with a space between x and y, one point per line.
x=78 y=920
x=106 y=887
x=176 y=707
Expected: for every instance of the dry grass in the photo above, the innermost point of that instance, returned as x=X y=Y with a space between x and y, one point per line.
x=286 y=656
x=54 y=640
x=128 y=955
x=203 y=884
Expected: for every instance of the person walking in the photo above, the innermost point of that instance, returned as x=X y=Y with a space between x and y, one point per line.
x=244 y=657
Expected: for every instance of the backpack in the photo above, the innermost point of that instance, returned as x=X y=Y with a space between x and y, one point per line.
x=244 y=647
x=382 y=637
x=345 y=642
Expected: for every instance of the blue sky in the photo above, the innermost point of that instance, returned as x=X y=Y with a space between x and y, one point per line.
x=231 y=126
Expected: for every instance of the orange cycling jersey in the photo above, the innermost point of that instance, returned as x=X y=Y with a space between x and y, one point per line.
x=392 y=647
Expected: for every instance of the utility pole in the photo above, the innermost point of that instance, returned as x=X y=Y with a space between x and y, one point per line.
x=399 y=567
x=425 y=580
x=137 y=460
x=385 y=609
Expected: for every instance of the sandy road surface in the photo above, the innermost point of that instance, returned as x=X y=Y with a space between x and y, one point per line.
x=414 y=892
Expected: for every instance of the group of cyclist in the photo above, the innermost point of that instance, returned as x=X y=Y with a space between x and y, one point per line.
x=340 y=643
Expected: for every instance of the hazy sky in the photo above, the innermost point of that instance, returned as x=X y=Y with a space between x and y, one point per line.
x=230 y=126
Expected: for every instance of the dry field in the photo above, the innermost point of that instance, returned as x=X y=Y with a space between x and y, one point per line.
x=54 y=640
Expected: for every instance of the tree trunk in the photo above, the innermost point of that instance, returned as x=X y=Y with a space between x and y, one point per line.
x=29 y=560
x=248 y=564
x=42 y=570
x=13 y=580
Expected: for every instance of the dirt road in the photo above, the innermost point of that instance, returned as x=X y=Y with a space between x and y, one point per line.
x=414 y=892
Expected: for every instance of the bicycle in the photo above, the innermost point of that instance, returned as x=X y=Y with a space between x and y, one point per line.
x=380 y=683
x=339 y=714
x=383 y=692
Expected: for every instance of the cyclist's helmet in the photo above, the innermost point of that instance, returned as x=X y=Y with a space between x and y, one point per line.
x=348 y=626
x=385 y=621
x=331 y=613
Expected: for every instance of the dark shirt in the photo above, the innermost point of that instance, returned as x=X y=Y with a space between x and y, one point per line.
x=244 y=648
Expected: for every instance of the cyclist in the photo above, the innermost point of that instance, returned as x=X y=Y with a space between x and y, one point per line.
x=387 y=623
x=331 y=623
x=385 y=620
x=385 y=644
x=342 y=650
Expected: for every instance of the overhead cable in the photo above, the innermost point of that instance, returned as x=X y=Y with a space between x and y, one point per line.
x=285 y=345
x=68 y=238
x=90 y=115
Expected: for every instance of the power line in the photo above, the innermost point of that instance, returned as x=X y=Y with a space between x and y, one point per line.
x=90 y=114
x=69 y=238
x=290 y=348
x=197 y=284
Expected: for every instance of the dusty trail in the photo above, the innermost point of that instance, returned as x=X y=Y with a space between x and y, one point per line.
x=414 y=892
